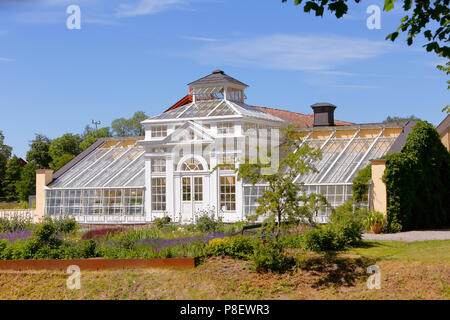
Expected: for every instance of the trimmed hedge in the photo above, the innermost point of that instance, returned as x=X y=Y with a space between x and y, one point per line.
x=418 y=182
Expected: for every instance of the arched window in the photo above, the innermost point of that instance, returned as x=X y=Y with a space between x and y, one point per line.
x=192 y=164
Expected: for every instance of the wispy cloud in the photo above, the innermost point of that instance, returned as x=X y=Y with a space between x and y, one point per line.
x=6 y=59
x=200 y=39
x=339 y=73
x=101 y=21
x=144 y=7
x=291 y=52
x=32 y=17
x=355 y=86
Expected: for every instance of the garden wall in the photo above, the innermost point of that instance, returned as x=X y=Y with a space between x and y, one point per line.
x=97 y=264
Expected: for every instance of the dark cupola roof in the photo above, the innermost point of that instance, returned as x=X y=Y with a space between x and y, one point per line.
x=217 y=76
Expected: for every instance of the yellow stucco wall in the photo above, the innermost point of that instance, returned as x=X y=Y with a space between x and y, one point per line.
x=379 y=194
x=321 y=134
x=43 y=178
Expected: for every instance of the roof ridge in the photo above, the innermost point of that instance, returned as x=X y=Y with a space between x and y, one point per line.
x=284 y=110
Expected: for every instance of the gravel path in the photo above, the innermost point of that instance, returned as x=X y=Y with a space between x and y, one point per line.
x=410 y=236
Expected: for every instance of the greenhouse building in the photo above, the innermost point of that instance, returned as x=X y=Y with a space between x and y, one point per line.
x=185 y=164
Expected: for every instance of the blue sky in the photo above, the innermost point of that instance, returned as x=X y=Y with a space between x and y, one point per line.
x=140 y=54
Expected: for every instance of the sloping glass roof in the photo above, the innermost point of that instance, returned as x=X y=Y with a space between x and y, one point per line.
x=345 y=151
x=113 y=164
x=343 y=156
x=216 y=108
x=252 y=112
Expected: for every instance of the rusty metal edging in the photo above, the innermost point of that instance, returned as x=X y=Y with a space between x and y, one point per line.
x=98 y=264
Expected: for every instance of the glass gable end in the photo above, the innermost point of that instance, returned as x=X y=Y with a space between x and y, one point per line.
x=112 y=165
x=106 y=186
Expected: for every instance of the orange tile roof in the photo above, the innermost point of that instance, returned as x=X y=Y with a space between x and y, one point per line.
x=185 y=100
x=300 y=119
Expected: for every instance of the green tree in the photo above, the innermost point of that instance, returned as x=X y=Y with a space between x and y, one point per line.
x=5 y=153
x=64 y=149
x=446 y=69
x=90 y=135
x=398 y=119
x=26 y=186
x=12 y=176
x=283 y=199
x=40 y=151
x=429 y=18
x=417 y=182
x=58 y=162
x=129 y=127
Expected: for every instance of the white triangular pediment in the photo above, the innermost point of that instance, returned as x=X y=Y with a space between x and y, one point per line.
x=190 y=131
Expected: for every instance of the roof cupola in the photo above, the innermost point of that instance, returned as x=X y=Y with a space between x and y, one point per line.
x=218 y=85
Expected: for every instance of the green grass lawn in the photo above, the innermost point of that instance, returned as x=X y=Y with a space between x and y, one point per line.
x=424 y=251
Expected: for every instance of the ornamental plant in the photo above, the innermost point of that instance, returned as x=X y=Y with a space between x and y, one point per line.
x=375 y=218
x=100 y=233
x=283 y=200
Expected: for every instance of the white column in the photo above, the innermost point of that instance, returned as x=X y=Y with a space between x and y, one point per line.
x=214 y=184
x=239 y=199
x=148 y=189
x=170 y=188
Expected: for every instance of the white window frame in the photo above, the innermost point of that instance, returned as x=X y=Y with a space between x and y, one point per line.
x=159 y=131
x=225 y=128
x=159 y=199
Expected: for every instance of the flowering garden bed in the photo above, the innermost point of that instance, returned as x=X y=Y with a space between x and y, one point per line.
x=56 y=244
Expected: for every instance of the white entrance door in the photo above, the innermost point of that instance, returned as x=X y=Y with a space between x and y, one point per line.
x=191 y=196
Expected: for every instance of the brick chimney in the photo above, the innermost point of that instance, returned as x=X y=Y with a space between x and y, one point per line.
x=323 y=114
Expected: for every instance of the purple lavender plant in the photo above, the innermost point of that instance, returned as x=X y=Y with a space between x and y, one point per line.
x=162 y=243
x=18 y=234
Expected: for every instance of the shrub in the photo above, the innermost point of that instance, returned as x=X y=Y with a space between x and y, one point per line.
x=65 y=225
x=14 y=224
x=242 y=247
x=3 y=245
x=218 y=246
x=336 y=235
x=87 y=248
x=239 y=247
x=322 y=239
x=417 y=183
x=161 y=222
x=292 y=240
x=45 y=231
x=100 y=233
x=270 y=257
x=45 y=234
x=207 y=223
